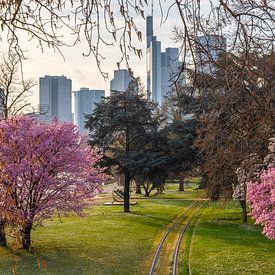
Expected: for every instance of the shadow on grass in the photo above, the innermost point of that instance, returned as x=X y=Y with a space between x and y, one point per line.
x=62 y=261
x=231 y=230
x=59 y=259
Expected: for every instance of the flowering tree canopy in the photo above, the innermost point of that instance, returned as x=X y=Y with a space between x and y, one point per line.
x=44 y=168
x=262 y=197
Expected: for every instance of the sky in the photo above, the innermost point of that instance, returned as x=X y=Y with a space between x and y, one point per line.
x=83 y=71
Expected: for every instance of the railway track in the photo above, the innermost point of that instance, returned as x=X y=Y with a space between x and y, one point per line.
x=185 y=217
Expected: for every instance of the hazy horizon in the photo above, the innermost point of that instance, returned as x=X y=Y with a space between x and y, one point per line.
x=83 y=71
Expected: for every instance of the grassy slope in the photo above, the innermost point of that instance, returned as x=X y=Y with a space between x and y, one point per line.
x=106 y=242
x=111 y=242
x=222 y=244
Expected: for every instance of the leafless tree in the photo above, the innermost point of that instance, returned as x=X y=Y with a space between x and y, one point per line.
x=14 y=99
x=14 y=90
x=236 y=118
x=57 y=23
x=247 y=24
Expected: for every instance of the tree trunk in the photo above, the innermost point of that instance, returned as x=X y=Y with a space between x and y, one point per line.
x=243 y=205
x=138 y=188
x=127 y=193
x=147 y=193
x=127 y=175
x=3 y=241
x=147 y=190
x=181 y=184
x=26 y=238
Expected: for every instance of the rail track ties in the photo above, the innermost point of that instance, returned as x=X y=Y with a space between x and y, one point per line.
x=181 y=223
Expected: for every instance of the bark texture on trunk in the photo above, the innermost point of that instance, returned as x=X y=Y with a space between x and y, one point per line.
x=181 y=184
x=147 y=194
x=26 y=237
x=127 y=193
x=138 y=187
x=243 y=205
x=3 y=241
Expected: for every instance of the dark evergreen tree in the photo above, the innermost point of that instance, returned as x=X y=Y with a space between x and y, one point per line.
x=149 y=166
x=179 y=108
x=182 y=156
x=120 y=126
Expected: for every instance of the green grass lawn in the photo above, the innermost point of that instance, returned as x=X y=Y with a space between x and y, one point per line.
x=171 y=191
x=108 y=241
x=222 y=244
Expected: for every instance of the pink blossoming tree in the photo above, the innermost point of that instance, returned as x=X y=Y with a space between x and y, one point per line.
x=262 y=198
x=45 y=168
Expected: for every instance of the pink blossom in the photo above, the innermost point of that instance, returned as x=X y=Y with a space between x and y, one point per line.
x=262 y=198
x=45 y=168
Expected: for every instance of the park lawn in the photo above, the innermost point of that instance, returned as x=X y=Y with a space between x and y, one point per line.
x=171 y=191
x=222 y=244
x=107 y=241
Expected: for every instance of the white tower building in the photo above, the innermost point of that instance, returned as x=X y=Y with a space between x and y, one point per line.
x=84 y=103
x=55 y=98
x=121 y=80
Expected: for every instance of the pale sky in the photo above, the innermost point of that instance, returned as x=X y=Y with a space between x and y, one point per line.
x=83 y=71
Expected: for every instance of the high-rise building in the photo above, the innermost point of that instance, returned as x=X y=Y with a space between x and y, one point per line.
x=154 y=70
x=161 y=67
x=55 y=98
x=121 y=80
x=207 y=52
x=84 y=103
x=169 y=69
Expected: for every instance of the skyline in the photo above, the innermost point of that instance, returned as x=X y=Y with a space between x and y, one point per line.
x=79 y=69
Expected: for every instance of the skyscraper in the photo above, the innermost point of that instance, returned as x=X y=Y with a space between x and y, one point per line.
x=161 y=67
x=169 y=69
x=84 y=103
x=55 y=98
x=154 y=69
x=121 y=80
x=207 y=52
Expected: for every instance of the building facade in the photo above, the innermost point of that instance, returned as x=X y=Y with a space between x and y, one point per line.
x=208 y=49
x=121 y=80
x=169 y=69
x=84 y=103
x=161 y=67
x=55 y=98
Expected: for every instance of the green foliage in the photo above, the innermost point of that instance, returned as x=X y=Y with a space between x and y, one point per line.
x=181 y=136
x=121 y=124
x=124 y=126
x=150 y=170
